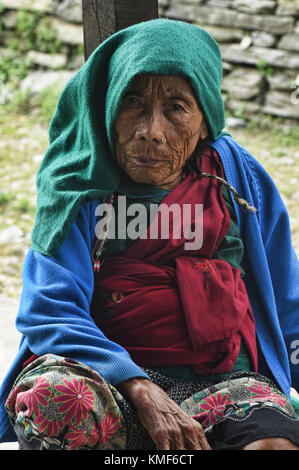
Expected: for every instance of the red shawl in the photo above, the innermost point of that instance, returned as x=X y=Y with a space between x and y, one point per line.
x=168 y=306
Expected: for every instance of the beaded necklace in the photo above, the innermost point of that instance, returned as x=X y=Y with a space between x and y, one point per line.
x=100 y=242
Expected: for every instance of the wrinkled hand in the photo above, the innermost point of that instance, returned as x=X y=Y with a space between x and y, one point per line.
x=169 y=426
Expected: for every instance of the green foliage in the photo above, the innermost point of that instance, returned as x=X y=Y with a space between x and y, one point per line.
x=13 y=67
x=47 y=101
x=281 y=137
x=79 y=48
x=290 y=138
x=35 y=31
x=26 y=29
x=76 y=50
x=46 y=37
x=264 y=69
x=6 y=198
x=44 y=103
x=19 y=102
x=237 y=113
x=240 y=112
x=24 y=206
x=225 y=97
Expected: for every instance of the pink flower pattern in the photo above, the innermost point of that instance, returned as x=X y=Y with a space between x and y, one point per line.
x=52 y=427
x=67 y=410
x=63 y=406
x=109 y=425
x=263 y=392
x=79 y=438
x=30 y=400
x=212 y=408
x=76 y=399
x=205 y=265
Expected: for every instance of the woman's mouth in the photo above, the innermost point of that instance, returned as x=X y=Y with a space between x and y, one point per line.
x=147 y=161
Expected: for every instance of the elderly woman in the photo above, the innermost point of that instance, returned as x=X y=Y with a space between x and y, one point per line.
x=144 y=342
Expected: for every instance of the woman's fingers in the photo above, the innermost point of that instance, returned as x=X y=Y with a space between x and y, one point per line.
x=176 y=431
x=159 y=436
x=170 y=427
x=203 y=440
x=195 y=437
x=201 y=437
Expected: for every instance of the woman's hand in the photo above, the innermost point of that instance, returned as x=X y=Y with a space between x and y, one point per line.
x=169 y=426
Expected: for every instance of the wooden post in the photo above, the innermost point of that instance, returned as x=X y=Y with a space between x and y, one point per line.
x=101 y=18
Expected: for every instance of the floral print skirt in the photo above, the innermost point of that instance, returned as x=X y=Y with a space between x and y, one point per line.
x=58 y=403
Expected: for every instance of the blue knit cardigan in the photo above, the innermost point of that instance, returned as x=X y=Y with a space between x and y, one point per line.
x=54 y=314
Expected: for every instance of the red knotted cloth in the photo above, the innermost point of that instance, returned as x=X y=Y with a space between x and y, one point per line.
x=168 y=306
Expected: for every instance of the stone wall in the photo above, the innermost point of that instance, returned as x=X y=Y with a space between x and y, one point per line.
x=259 y=42
x=44 y=38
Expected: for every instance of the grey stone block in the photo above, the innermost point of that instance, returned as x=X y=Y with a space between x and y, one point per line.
x=252 y=56
x=280 y=103
x=243 y=83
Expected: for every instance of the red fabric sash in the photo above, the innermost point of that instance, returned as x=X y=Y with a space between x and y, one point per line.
x=168 y=306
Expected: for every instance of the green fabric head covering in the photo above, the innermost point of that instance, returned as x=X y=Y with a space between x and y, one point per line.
x=80 y=163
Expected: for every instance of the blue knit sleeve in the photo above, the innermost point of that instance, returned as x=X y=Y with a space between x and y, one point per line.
x=283 y=264
x=270 y=263
x=54 y=307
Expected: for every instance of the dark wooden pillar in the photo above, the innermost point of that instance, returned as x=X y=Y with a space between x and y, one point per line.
x=101 y=18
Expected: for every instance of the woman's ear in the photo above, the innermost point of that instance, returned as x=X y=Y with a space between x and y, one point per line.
x=204 y=131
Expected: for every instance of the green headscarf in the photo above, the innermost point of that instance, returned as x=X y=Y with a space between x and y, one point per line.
x=80 y=163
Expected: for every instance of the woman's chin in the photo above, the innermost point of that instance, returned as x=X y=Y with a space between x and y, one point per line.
x=148 y=178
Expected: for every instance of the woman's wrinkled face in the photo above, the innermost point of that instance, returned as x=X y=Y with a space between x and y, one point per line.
x=157 y=129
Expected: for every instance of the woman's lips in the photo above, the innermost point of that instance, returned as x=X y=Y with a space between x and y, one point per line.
x=147 y=161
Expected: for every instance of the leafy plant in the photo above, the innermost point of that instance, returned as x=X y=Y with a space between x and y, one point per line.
x=34 y=31
x=281 y=137
x=26 y=28
x=264 y=68
x=46 y=37
x=13 y=67
x=19 y=102
x=6 y=198
x=240 y=112
x=291 y=137
x=47 y=101
x=24 y=205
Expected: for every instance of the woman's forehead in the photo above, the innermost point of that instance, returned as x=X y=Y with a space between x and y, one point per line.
x=161 y=85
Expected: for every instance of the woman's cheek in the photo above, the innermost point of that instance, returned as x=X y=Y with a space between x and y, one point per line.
x=182 y=148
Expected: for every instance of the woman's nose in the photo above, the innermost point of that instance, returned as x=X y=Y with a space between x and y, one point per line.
x=151 y=128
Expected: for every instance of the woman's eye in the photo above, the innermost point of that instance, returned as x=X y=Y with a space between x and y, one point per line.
x=177 y=107
x=132 y=100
